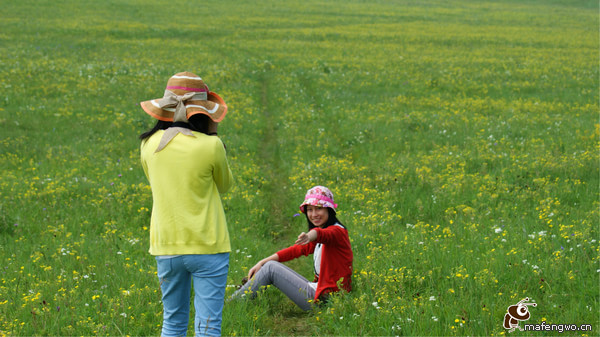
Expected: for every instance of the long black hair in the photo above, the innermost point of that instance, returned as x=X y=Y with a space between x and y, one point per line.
x=197 y=122
x=330 y=222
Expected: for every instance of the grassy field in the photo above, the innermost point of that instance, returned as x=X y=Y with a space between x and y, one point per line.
x=461 y=140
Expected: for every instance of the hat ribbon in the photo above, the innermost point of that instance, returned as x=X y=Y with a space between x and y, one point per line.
x=321 y=197
x=170 y=99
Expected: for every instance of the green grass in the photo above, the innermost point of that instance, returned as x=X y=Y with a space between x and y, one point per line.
x=459 y=138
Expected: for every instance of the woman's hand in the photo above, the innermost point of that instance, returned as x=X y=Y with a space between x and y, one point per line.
x=259 y=265
x=305 y=238
x=254 y=270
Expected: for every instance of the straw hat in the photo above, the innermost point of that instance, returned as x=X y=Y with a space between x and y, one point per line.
x=186 y=90
x=186 y=95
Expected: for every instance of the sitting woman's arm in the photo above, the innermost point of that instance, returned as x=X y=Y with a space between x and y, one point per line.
x=288 y=253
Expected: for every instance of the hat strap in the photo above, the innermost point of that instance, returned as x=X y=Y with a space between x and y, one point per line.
x=321 y=197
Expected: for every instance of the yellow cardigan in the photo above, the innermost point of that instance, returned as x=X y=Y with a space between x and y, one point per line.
x=186 y=178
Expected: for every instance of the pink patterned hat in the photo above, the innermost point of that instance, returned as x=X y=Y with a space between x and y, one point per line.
x=318 y=196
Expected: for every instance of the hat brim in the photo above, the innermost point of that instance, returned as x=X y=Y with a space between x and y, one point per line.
x=214 y=107
x=317 y=203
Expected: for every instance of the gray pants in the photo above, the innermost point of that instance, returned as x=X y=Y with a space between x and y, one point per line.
x=292 y=284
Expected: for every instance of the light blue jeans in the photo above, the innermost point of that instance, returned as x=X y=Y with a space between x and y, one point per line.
x=209 y=275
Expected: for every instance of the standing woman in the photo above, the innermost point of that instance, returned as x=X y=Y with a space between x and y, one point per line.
x=187 y=168
x=326 y=239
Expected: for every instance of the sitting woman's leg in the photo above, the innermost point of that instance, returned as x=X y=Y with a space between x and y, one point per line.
x=292 y=284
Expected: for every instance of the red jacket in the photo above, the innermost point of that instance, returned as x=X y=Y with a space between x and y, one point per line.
x=336 y=258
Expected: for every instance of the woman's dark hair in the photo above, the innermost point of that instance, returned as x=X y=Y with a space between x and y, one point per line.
x=330 y=222
x=197 y=122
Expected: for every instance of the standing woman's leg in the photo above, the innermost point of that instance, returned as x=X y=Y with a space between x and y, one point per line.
x=292 y=284
x=175 y=284
x=209 y=273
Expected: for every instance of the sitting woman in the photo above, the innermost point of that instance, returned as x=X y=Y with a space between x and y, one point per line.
x=327 y=239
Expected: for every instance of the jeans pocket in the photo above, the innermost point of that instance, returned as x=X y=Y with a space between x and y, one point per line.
x=163 y=268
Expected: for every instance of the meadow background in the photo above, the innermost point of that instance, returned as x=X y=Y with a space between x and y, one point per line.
x=460 y=138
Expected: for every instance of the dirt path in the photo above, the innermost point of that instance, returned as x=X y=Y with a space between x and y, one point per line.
x=278 y=212
x=291 y=320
